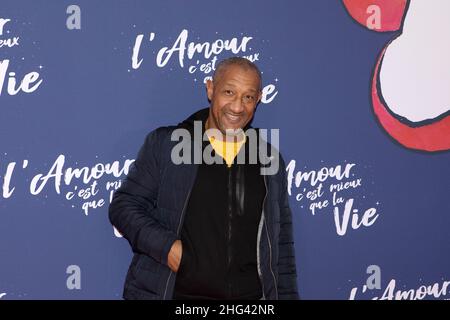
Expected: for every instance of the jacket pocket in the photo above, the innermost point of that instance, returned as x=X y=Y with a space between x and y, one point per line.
x=187 y=259
x=145 y=281
x=145 y=262
x=145 y=275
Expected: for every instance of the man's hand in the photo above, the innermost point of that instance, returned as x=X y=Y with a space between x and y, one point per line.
x=174 y=257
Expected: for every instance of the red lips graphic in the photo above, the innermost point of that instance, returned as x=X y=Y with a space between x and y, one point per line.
x=431 y=135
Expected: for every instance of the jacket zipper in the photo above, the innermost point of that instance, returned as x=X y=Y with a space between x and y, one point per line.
x=230 y=214
x=270 y=246
x=258 y=240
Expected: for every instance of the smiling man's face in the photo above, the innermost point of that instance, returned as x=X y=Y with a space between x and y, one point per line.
x=234 y=95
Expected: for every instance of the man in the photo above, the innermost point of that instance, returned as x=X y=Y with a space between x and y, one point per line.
x=208 y=230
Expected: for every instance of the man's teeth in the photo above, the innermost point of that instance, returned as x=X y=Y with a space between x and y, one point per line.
x=232 y=117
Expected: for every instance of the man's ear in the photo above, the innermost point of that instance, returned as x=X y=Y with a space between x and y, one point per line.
x=209 y=89
x=259 y=97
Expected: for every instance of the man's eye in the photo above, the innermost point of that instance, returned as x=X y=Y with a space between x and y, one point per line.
x=250 y=98
x=228 y=92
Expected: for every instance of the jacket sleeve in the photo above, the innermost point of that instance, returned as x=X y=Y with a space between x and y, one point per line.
x=287 y=273
x=132 y=208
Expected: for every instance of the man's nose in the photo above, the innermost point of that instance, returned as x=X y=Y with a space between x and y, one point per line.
x=237 y=106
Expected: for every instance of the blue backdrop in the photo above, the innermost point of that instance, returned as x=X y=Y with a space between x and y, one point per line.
x=82 y=85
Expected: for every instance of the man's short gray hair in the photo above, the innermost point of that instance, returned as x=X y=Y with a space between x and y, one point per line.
x=238 y=61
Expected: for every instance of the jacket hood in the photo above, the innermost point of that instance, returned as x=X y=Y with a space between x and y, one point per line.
x=200 y=115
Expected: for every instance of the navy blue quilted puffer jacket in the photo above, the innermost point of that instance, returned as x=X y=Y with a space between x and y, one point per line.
x=149 y=207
